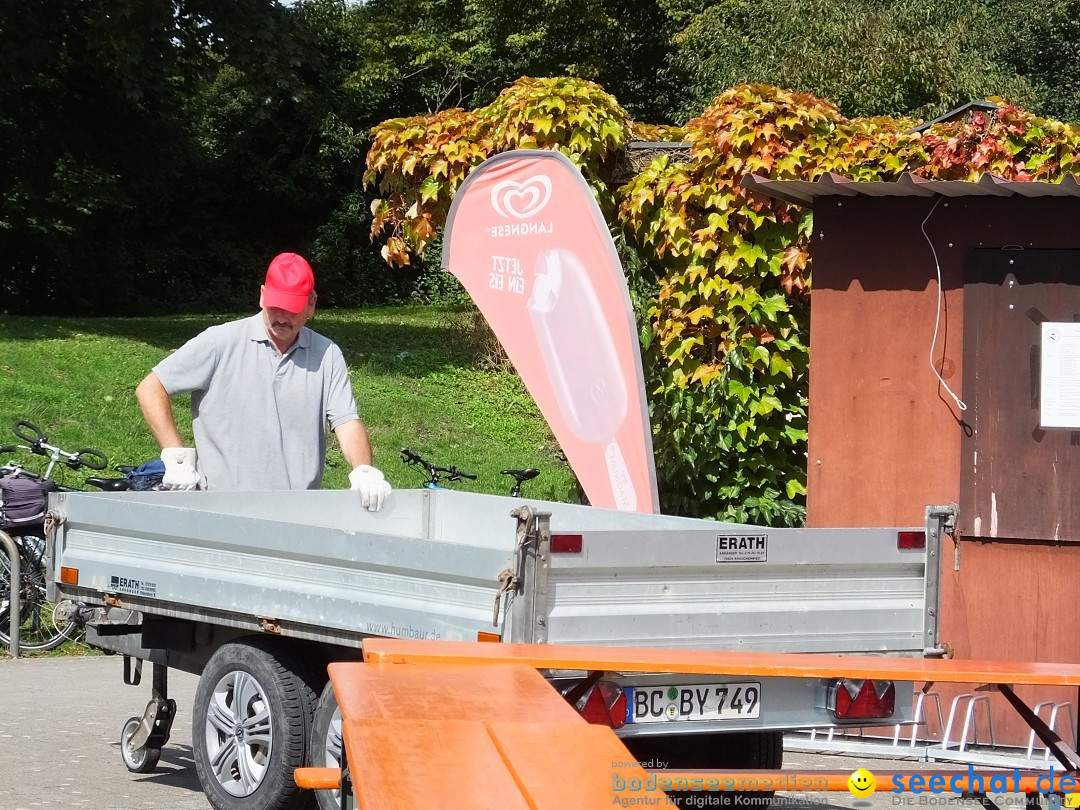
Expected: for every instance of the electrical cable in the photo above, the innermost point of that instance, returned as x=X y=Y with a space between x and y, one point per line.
x=937 y=316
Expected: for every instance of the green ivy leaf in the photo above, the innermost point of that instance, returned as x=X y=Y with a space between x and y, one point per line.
x=430 y=188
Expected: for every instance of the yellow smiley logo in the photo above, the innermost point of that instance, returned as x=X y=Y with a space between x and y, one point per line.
x=862 y=783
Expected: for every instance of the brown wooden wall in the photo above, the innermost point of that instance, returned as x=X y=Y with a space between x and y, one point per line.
x=883 y=443
x=885 y=438
x=1011 y=600
x=1017 y=478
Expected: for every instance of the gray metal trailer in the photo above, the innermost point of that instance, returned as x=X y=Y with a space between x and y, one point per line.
x=257 y=592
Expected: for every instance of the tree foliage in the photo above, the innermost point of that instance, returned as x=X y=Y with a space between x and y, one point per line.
x=461 y=53
x=1041 y=43
x=417 y=163
x=730 y=321
x=883 y=57
x=165 y=149
x=619 y=44
x=726 y=331
x=111 y=189
x=155 y=154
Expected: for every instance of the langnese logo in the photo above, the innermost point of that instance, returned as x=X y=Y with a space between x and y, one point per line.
x=521 y=201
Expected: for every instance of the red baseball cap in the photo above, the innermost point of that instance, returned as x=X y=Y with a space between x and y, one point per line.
x=289 y=282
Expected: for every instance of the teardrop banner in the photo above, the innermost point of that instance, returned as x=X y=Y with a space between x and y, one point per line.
x=526 y=239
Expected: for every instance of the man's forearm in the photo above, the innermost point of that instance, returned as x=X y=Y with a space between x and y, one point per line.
x=157 y=411
x=355 y=445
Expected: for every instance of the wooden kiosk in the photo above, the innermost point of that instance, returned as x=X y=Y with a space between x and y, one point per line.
x=886 y=437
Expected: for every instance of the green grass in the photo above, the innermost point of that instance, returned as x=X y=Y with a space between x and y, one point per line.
x=73 y=646
x=413 y=374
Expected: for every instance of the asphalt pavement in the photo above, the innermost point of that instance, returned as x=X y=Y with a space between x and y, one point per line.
x=60 y=722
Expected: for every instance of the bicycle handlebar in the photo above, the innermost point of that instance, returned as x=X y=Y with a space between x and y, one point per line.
x=452 y=473
x=38 y=443
x=101 y=462
x=34 y=436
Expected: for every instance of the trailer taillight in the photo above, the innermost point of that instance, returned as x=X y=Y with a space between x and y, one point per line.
x=852 y=699
x=604 y=705
x=566 y=544
x=69 y=576
x=911 y=541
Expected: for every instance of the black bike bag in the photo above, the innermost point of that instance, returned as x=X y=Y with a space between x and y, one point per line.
x=23 y=504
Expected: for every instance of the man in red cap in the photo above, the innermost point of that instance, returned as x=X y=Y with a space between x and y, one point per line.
x=263 y=390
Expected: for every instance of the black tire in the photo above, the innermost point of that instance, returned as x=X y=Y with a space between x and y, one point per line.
x=247 y=745
x=326 y=744
x=144 y=760
x=741 y=750
x=39 y=628
x=755 y=750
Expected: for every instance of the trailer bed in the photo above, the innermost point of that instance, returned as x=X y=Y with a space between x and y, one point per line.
x=315 y=565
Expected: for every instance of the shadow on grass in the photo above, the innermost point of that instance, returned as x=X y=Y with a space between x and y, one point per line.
x=416 y=340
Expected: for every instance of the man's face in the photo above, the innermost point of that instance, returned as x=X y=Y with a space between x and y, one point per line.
x=283 y=326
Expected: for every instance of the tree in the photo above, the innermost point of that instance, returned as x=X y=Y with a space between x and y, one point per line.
x=88 y=108
x=875 y=57
x=99 y=167
x=619 y=44
x=1041 y=42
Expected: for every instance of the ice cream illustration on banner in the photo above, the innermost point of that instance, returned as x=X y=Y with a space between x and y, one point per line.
x=528 y=241
x=579 y=355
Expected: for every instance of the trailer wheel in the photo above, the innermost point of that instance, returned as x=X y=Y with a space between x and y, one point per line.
x=327 y=744
x=740 y=750
x=140 y=760
x=250 y=725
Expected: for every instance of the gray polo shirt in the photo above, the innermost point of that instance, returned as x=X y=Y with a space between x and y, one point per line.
x=259 y=418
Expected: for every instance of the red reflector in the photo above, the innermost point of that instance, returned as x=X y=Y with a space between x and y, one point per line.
x=911 y=541
x=604 y=705
x=566 y=544
x=861 y=700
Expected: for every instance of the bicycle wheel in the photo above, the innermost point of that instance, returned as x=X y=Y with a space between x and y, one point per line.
x=39 y=628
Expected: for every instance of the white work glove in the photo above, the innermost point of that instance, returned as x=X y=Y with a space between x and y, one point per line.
x=180 y=471
x=374 y=489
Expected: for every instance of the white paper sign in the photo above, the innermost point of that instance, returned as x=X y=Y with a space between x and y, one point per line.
x=1060 y=384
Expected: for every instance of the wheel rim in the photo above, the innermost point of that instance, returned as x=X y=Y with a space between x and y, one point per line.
x=239 y=733
x=334 y=744
x=133 y=758
x=39 y=628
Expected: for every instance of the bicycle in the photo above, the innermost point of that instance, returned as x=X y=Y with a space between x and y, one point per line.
x=454 y=474
x=520 y=477
x=434 y=473
x=44 y=625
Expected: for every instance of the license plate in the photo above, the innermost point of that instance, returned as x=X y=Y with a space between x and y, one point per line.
x=702 y=701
